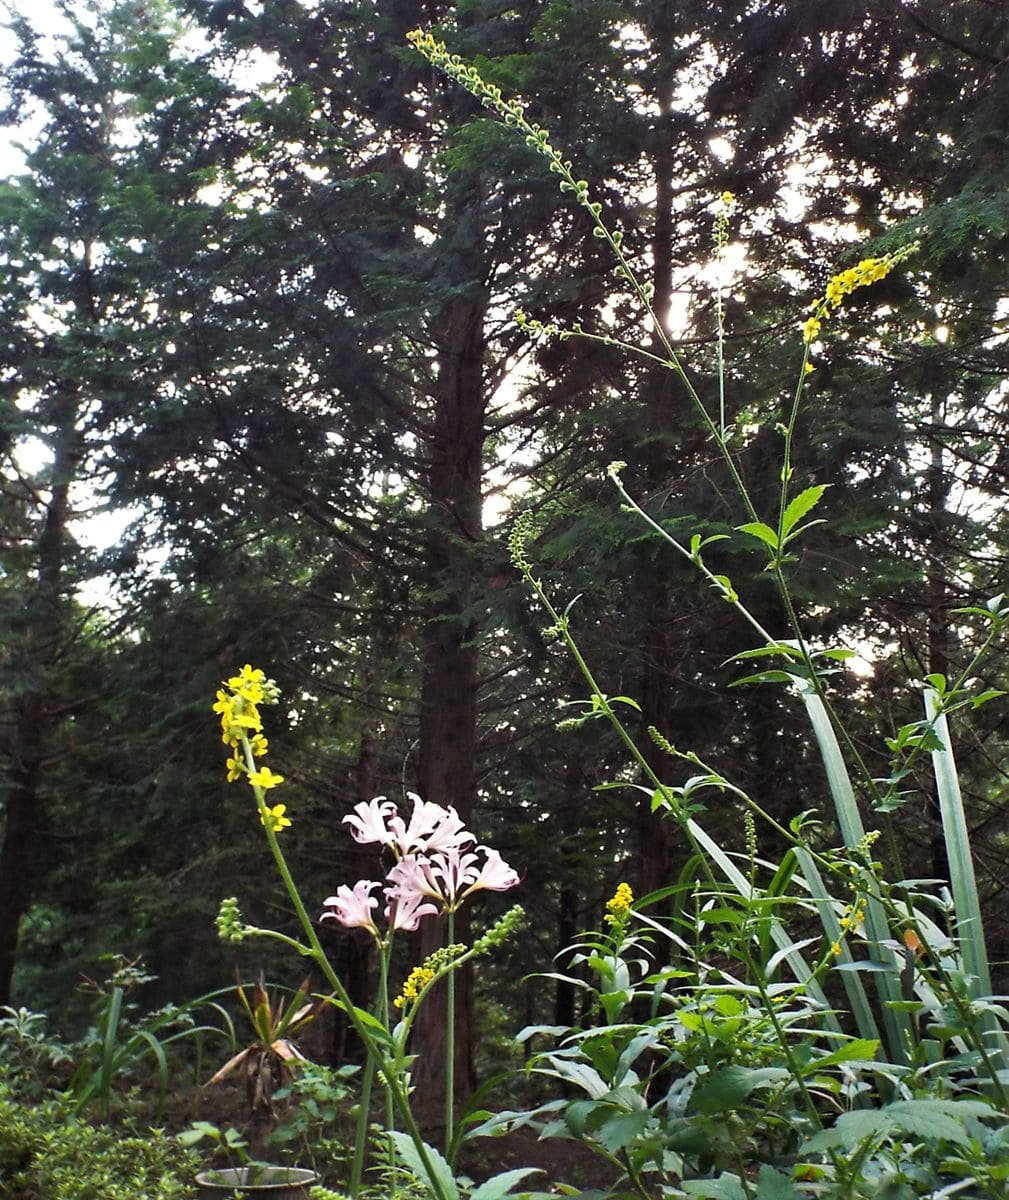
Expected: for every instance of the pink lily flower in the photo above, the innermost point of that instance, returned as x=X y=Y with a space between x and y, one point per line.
x=411 y=876
x=450 y=877
x=405 y=910
x=432 y=828
x=494 y=876
x=352 y=908
x=368 y=821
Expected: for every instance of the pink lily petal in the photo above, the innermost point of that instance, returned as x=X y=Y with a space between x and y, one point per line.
x=368 y=821
x=352 y=908
x=405 y=910
x=494 y=876
x=412 y=876
x=431 y=827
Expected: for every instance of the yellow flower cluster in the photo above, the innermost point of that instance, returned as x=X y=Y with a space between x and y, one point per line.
x=276 y=817
x=238 y=701
x=852 y=921
x=863 y=274
x=416 y=982
x=853 y=917
x=239 y=705
x=618 y=907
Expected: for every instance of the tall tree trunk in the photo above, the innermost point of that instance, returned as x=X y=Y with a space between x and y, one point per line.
x=658 y=667
x=448 y=702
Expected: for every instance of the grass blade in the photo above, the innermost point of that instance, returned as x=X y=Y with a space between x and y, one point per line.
x=963 y=882
x=852 y=832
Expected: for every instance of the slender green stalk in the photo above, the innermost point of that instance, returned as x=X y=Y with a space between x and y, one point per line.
x=703 y=844
x=450 y=1043
x=361 y=1127
x=784 y=1043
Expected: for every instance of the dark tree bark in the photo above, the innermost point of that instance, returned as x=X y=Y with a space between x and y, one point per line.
x=448 y=702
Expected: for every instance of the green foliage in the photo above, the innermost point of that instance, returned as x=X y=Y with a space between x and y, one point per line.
x=47 y=1153
x=316 y=1126
x=120 y=1050
x=108 y=1057
x=733 y=1079
x=259 y=335
x=733 y=1027
x=28 y=1054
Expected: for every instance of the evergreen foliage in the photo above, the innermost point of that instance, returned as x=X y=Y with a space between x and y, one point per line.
x=260 y=281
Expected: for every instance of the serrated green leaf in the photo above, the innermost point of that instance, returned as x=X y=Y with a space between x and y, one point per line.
x=726 y=1088
x=858 y=1049
x=760 y=531
x=443 y=1181
x=725 y=1187
x=721 y=916
x=621 y=1130
x=805 y=502
x=784 y=649
x=937 y=1120
x=772 y=676
x=501 y=1185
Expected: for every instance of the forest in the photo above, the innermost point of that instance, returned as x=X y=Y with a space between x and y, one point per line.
x=450 y=377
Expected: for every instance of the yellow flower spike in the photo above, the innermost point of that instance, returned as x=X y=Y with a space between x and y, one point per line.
x=415 y=983
x=727 y=199
x=248 y=684
x=276 y=818
x=618 y=906
x=264 y=778
x=865 y=273
x=247 y=675
x=247 y=719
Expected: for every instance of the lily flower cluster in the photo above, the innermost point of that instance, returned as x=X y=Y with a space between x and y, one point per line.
x=437 y=866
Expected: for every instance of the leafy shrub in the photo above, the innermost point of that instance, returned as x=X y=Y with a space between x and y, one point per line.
x=47 y=1154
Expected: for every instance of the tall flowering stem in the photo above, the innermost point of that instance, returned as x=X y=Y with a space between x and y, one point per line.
x=868 y=271
x=450 y=1041
x=436 y=868
x=435 y=872
x=238 y=704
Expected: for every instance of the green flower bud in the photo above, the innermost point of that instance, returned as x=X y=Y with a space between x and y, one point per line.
x=230 y=927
